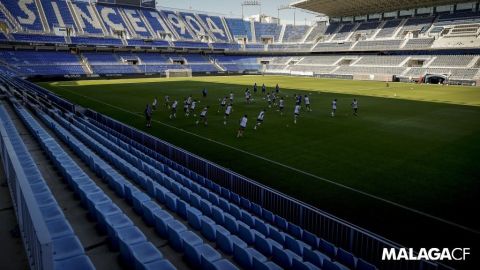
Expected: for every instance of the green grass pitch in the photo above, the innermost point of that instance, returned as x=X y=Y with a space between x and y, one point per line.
x=417 y=146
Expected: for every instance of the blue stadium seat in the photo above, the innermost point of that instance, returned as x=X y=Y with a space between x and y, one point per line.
x=182 y=207
x=116 y=222
x=281 y=223
x=299 y=265
x=311 y=239
x=268 y=265
x=208 y=228
x=206 y=207
x=194 y=217
x=171 y=201
x=66 y=248
x=277 y=235
x=158 y=264
x=225 y=242
x=315 y=257
x=224 y=204
x=149 y=208
x=221 y=264
x=174 y=230
x=295 y=230
x=104 y=209
x=76 y=263
x=284 y=257
x=245 y=256
x=268 y=216
x=346 y=258
x=245 y=233
x=126 y=237
x=59 y=228
x=231 y=223
x=217 y=215
x=143 y=253
x=138 y=199
x=191 y=238
x=328 y=248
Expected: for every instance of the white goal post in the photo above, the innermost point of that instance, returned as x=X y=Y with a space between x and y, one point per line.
x=172 y=73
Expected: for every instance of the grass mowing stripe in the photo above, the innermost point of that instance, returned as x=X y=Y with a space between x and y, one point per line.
x=140 y=114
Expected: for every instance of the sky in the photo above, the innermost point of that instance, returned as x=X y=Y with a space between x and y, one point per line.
x=233 y=8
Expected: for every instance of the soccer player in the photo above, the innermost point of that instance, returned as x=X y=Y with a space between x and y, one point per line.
x=281 y=105
x=186 y=107
x=248 y=96
x=277 y=89
x=228 y=111
x=243 y=125
x=173 y=114
x=222 y=104
x=355 y=106
x=155 y=103
x=255 y=88
x=167 y=102
x=148 y=115
x=269 y=100
x=231 y=97
x=334 y=107
x=274 y=99
x=260 y=117
x=296 y=113
x=203 y=117
x=264 y=89
x=307 y=103
x=298 y=100
x=192 y=107
x=204 y=92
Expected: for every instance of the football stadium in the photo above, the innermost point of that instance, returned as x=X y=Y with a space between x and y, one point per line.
x=138 y=134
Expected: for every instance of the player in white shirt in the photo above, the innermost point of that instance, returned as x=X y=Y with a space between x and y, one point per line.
x=281 y=105
x=306 y=99
x=260 y=117
x=355 y=106
x=223 y=103
x=274 y=99
x=192 y=107
x=247 y=96
x=174 y=110
x=231 y=97
x=243 y=125
x=269 y=100
x=155 y=103
x=334 y=107
x=228 y=111
x=203 y=117
x=296 y=113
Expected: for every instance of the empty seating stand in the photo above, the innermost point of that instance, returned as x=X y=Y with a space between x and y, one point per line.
x=68 y=252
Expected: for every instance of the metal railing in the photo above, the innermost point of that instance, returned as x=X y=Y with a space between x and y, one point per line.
x=361 y=242
x=33 y=229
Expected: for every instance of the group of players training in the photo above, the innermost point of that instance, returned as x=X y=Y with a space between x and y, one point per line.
x=226 y=105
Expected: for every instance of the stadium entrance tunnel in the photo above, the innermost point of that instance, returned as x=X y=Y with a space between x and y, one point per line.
x=435 y=78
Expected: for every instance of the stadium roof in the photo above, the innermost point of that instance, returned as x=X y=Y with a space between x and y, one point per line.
x=344 y=8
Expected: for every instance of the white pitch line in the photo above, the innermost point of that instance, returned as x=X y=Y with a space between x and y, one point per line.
x=451 y=223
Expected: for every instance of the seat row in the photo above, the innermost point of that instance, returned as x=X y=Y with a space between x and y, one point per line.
x=289 y=235
x=68 y=252
x=135 y=250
